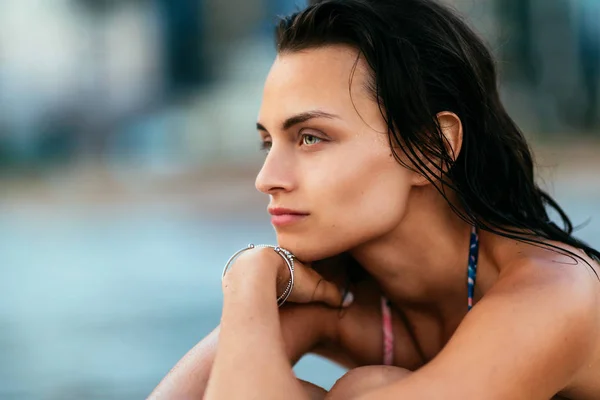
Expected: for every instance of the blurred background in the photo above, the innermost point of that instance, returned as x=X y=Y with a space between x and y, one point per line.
x=128 y=154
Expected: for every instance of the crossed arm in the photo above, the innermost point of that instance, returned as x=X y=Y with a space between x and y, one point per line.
x=304 y=328
x=526 y=339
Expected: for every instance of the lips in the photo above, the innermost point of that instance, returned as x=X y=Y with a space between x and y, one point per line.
x=286 y=216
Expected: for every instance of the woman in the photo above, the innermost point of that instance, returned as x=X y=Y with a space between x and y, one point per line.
x=407 y=195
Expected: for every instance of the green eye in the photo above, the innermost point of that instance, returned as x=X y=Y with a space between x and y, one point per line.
x=310 y=140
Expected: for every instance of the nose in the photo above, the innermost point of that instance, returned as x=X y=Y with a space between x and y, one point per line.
x=276 y=174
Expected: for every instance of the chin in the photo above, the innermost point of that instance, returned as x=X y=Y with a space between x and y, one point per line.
x=310 y=250
x=303 y=251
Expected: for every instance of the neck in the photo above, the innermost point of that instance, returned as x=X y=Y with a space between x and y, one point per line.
x=423 y=262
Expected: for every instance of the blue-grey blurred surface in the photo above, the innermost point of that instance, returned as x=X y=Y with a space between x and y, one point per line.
x=127 y=156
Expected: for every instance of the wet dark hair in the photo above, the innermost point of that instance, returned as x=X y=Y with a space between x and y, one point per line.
x=424 y=60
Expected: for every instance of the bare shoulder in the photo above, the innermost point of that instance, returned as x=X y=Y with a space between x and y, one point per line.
x=548 y=265
x=555 y=294
x=559 y=279
x=536 y=330
x=554 y=267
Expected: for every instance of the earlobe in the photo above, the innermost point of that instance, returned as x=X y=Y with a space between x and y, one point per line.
x=419 y=179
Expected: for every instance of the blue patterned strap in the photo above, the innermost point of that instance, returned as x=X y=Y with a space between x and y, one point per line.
x=472 y=268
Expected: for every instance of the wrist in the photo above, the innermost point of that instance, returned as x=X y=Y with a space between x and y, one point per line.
x=259 y=266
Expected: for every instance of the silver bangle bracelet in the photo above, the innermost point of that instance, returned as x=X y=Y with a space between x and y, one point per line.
x=287 y=256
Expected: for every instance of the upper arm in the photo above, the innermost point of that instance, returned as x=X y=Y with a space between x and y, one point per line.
x=526 y=339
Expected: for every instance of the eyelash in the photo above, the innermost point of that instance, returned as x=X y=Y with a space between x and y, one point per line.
x=266 y=145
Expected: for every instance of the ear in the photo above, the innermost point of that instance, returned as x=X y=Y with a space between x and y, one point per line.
x=451 y=128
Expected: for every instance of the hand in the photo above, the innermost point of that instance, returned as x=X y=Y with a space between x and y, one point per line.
x=309 y=285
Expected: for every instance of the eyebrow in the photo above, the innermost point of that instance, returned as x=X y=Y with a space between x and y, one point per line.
x=299 y=118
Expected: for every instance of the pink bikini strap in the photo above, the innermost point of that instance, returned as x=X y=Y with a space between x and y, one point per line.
x=388 y=333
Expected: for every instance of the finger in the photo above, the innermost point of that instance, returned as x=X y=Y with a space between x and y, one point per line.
x=310 y=286
x=329 y=293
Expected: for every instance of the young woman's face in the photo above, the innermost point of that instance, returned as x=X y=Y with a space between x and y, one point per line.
x=329 y=156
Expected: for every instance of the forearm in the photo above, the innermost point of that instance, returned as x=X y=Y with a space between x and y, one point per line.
x=304 y=327
x=251 y=345
x=188 y=379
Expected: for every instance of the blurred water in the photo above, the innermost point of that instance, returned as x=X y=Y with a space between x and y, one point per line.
x=101 y=305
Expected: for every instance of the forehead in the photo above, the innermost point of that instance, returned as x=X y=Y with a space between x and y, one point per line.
x=326 y=78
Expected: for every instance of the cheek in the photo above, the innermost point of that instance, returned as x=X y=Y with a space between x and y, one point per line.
x=372 y=201
x=359 y=202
